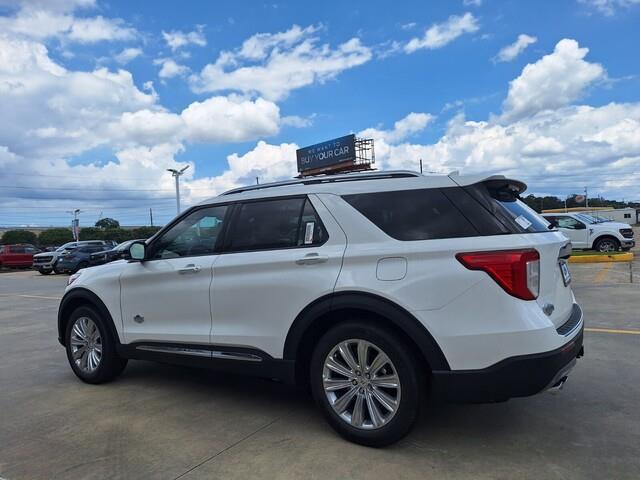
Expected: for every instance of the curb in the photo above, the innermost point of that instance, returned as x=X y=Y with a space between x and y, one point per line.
x=621 y=257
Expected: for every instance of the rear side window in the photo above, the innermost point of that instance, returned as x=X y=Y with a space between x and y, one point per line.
x=413 y=214
x=274 y=224
x=505 y=205
x=18 y=249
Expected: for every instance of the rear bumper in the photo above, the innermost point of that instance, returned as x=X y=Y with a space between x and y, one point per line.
x=519 y=376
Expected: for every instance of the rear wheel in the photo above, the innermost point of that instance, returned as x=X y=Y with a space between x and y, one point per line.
x=81 y=265
x=607 y=244
x=91 y=348
x=367 y=383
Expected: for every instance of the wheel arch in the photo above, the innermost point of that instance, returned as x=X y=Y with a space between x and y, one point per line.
x=79 y=297
x=603 y=236
x=325 y=312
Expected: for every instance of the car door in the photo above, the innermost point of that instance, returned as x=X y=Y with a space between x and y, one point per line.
x=280 y=254
x=166 y=298
x=17 y=254
x=575 y=230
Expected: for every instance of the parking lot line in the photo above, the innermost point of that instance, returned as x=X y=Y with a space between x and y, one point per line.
x=612 y=330
x=28 y=296
x=602 y=273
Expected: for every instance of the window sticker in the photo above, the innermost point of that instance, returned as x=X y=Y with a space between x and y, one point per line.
x=523 y=222
x=308 y=233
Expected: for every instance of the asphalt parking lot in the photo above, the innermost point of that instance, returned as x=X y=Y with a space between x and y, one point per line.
x=166 y=422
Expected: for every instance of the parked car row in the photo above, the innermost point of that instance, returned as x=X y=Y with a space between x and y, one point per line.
x=68 y=258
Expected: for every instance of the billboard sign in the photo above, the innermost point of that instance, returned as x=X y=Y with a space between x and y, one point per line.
x=327 y=154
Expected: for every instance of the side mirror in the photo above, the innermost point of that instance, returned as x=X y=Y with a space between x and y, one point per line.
x=553 y=223
x=138 y=251
x=580 y=226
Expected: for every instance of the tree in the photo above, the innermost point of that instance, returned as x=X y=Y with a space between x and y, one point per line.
x=144 y=232
x=19 y=236
x=55 y=236
x=107 y=223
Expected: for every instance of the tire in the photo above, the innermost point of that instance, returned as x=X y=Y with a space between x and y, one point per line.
x=375 y=426
x=56 y=271
x=92 y=367
x=606 y=244
x=44 y=272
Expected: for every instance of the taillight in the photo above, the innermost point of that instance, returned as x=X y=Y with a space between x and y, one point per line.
x=516 y=271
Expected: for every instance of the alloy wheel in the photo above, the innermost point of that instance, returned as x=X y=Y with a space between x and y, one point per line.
x=361 y=384
x=606 y=246
x=86 y=344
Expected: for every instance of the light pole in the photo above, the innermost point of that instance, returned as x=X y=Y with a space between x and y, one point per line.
x=176 y=174
x=75 y=224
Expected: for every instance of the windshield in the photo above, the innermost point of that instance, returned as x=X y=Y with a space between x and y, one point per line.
x=586 y=218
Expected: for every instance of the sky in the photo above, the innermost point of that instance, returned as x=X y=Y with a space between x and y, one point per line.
x=99 y=98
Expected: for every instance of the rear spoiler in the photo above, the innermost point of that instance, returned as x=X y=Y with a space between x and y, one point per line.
x=498 y=183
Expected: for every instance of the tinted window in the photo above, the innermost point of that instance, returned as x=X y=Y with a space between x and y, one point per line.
x=278 y=223
x=18 y=249
x=413 y=214
x=196 y=234
x=505 y=205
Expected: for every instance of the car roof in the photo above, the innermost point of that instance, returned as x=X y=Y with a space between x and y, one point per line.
x=352 y=183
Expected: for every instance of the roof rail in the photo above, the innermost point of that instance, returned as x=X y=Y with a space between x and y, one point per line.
x=349 y=177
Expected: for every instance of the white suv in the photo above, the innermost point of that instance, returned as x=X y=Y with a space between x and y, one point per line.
x=371 y=288
x=588 y=232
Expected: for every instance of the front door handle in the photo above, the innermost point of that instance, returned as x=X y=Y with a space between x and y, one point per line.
x=191 y=268
x=312 y=259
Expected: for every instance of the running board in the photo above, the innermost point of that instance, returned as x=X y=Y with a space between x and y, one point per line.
x=247 y=357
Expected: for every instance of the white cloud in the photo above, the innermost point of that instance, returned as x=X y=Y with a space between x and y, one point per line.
x=177 y=39
x=41 y=22
x=407 y=126
x=511 y=51
x=275 y=64
x=610 y=7
x=440 y=34
x=231 y=119
x=267 y=162
x=297 y=121
x=472 y=3
x=555 y=80
x=127 y=54
x=169 y=68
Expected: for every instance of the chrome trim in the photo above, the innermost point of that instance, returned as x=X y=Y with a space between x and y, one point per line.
x=176 y=350
x=202 y=353
x=235 y=356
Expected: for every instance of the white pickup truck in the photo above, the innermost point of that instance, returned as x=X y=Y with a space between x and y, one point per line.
x=588 y=232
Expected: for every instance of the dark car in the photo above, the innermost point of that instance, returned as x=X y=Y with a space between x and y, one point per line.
x=120 y=251
x=73 y=260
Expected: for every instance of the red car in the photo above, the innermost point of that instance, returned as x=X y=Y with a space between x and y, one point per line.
x=20 y=255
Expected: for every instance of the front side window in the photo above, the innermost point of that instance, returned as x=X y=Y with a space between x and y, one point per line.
x=274 y=224
x=568 y=222
x=196 y=234
x=18 y=249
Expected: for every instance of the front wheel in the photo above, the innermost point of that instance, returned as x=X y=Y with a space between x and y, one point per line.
x=607 y=244
x=367 y=382
x=44 y=272
x=91 y=348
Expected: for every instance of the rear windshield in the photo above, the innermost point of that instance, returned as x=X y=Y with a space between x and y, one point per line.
x=451 y=212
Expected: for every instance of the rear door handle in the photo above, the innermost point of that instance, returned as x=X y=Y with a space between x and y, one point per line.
x=312 y=259
x=191 y=268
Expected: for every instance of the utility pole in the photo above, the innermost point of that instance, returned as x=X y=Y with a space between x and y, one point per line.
x=176 y=174
x=257 y=180
x=420 y=165
x=151 y=216
x=75 y=224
